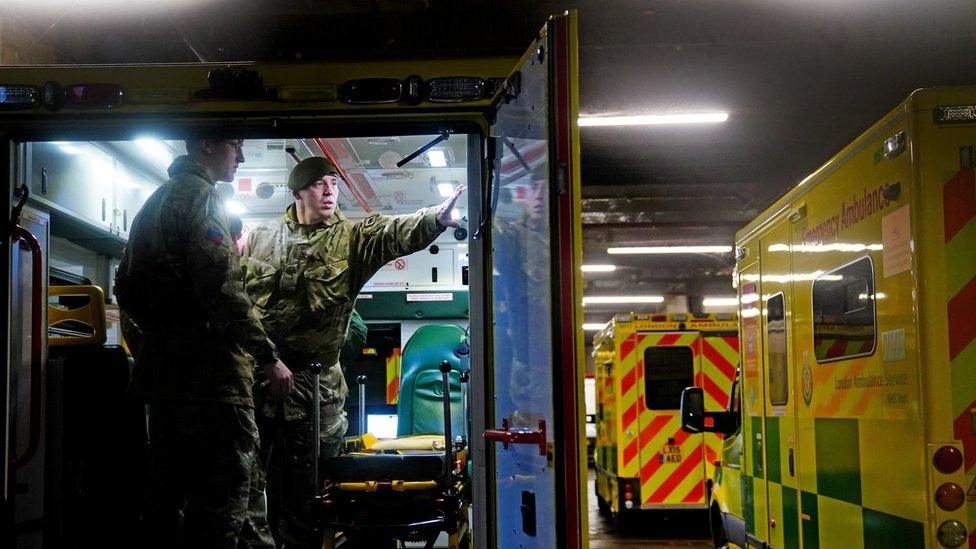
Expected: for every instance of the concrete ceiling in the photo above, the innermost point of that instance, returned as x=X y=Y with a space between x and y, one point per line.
x=798 y=79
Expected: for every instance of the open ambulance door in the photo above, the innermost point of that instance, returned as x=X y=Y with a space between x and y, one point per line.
x=533 y=471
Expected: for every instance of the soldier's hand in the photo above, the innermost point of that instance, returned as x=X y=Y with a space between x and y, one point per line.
x=279 y=378
x=444 y=210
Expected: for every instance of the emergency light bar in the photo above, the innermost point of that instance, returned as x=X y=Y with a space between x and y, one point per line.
x=16 y=96
x=455 y=89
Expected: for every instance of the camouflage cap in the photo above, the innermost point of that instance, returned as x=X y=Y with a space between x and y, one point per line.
x=309 y=171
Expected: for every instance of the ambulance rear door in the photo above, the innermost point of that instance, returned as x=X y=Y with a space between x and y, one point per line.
x=672 y=467
x=531 y=224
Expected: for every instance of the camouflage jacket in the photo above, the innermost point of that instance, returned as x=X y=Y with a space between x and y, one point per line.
x=304 y=279
x=179 y=283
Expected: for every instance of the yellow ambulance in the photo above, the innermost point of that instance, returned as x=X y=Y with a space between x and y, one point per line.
x=854 y=423
x=643 y=362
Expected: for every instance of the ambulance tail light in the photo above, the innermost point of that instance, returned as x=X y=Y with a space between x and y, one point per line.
x=952 y=533
x=947 y=459
x=16 y=96
x=950 y=496
x=455 y=89
x=93 y=96
x=628 y=491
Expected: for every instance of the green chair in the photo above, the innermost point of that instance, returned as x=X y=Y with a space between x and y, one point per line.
x=421 y=401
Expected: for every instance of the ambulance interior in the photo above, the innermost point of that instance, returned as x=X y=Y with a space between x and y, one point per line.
x=90 y=192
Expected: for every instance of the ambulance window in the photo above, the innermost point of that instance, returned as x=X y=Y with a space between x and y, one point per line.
x=844 y=313
x=667 y=371
x=778 y=367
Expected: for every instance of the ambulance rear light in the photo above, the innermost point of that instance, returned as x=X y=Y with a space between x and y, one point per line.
x=950 y=496
x=628 y=491
x=455 y=89
x=947 y=459
x=16 y=96
x=93 y=96
x=952 y=533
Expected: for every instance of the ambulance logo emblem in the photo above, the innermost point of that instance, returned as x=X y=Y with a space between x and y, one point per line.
x=807 y=383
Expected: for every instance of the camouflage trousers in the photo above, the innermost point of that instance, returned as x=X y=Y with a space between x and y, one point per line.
x=288 y=454
x=207 y=484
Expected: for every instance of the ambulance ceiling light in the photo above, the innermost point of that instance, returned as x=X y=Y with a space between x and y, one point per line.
x=654 y=250
x=383 y=140
x=160 y=153
x=654 y=119
x=67 y=147
x=620 y=299
x=598 y=268
x=235 y=207
x=436 y=158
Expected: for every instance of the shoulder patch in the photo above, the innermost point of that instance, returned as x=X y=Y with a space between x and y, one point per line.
x=215 y=235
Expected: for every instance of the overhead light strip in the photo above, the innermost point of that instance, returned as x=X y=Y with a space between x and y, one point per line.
x=614 y=299
x=670 y=250
x=654 y=119
x=598 y=268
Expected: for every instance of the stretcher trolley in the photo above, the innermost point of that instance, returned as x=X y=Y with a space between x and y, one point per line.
x=416 y=486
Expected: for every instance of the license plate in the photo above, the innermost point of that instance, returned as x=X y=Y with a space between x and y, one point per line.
x=671 y=453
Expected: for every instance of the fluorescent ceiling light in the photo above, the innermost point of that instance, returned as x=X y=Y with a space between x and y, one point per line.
x=671 y=250
x=235 y=207
x=720 y=302
x=436 y=158
x=654 y=119
x=623 y=299
x=67 y=147
x=593 y=326
x=598 y=268
x=157 y=149
x=446 y=189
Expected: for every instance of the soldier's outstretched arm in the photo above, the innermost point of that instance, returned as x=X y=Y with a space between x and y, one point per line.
x=216 y=278
x=379 y=239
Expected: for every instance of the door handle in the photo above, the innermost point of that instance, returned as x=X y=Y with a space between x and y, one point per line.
x=790 y=459
x=18 y=233
x=519 y=435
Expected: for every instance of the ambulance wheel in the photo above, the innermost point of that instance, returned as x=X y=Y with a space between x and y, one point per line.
x=719 y=537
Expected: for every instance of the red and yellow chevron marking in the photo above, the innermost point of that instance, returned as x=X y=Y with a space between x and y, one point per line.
x=393 y=377
x=627 y=380
x=959 y=208
x=719 y=355
x=670 y=482
x=664 y=481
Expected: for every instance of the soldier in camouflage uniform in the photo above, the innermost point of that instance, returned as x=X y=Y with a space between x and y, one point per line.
x=194 y=336
x=303 y=272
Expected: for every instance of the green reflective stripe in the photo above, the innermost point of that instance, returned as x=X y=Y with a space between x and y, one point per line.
x=884 y=531
x=791 y=530
x=748 y=504
x=838 y=459
x=773 y=465
x=757 y=447
x=811 y=527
